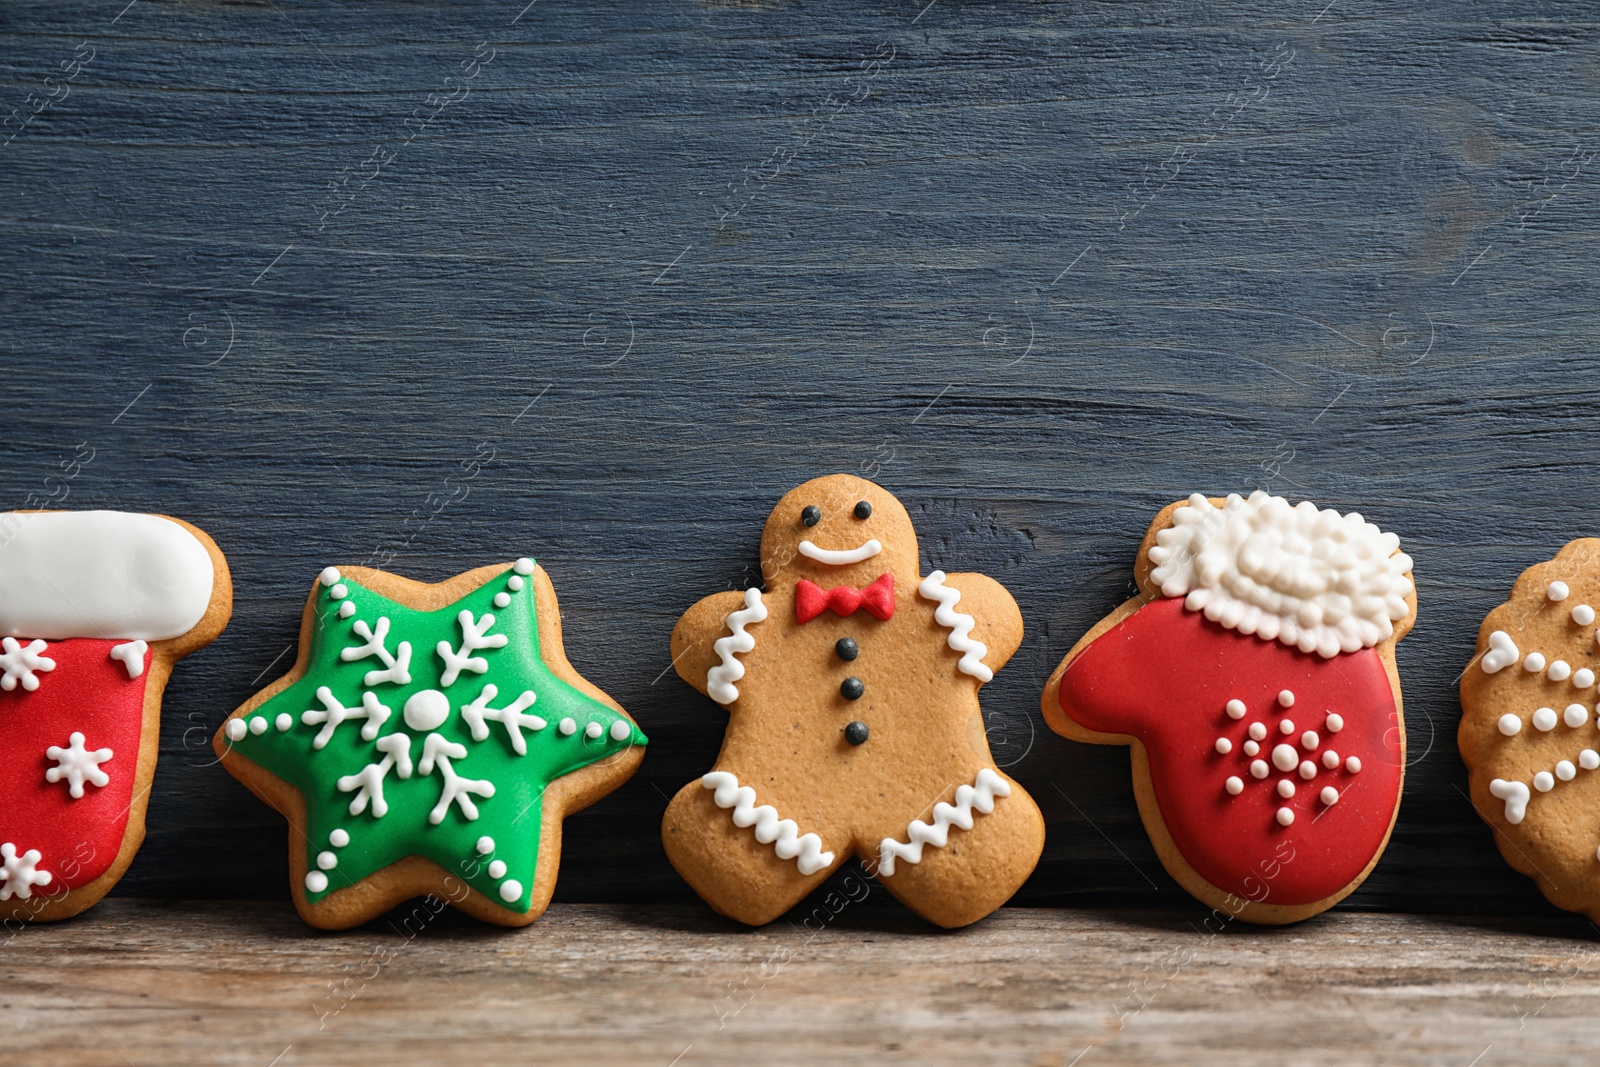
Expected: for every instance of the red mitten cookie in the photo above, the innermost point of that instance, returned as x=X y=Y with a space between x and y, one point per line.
x=1254 y=679
x=95 y=608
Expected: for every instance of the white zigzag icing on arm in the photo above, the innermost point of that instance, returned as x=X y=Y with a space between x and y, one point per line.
x=783 y=834
x=720 y=679
x=989 y=786
x=959 y=624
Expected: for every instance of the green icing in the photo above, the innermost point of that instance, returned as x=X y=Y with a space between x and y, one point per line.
x=511 y=817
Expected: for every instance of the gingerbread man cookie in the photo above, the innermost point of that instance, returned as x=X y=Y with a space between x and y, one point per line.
x=851 y=686
x=1528 y=731
x=95 y=608
x=1254 y=678
x=429 y=740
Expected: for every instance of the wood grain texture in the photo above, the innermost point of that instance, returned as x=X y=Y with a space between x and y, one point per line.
x=633 y=272
x=248 y=984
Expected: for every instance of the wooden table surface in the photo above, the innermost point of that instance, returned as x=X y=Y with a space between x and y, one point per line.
x=437 y=284
x=146 y=982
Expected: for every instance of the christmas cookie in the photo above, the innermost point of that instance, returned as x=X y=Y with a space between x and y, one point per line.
x=429 y=740
x=1254 y=678
x=95 y=608
x=1528 y=732
x=851 y=686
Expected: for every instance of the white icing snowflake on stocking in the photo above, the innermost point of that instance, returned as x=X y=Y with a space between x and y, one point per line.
x=19 y=874
x=77 y=765
x=19 y=662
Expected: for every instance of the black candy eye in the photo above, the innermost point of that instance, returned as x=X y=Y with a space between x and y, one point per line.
x=863 y=509
x=810 y=515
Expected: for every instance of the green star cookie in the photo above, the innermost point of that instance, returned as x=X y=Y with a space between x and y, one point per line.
x=432 y=733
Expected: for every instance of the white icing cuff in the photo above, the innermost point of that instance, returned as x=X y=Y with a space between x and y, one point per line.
x=102 y=574
x=980 y=797
x=1314 y=580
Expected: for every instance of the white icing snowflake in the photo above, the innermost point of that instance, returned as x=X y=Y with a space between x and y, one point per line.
x=77 y=765
x=19 y=662
x=19 y=874
x=472 y=639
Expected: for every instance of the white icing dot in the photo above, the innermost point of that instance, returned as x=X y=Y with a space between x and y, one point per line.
x=1258 y=769
x=1545 y=719
x=1566 y=771
x=1286 y=727
x=510 y=890
x=236 y=729
x=1285 y=758
x=316 y=881
x=485 y=845
x=621 y=731
x=1309 y=739
x=284 y=722
x=339 y=592
x=1353 y=764
x=1589 y=759
x=258 y=724
x=339 y=838
x=1329 y=795
x=1597 y=853
x=1534 y=663
x=515 y=583
x=1251 y=748
x=327 y=860
x=523 y=566
x=1557 y=591
x=329 y=575
x=1234 y=785
x=1510 y=725
x=1575 y=715
x=1258 y=731
x=1560 y=671
x=502 y=600
x=1308 y=769
x=1224 y=746
x=1335 y=722
x=1330 y=759
x=1583 y=678
x=1583 y=615
x=1285 y=816
x=568 y=727
x=1543 y=782
x=1235 y=709
x=1285 y=698
x=347 y=609
x=594 y=729
x=497 y=869
x=1285 y=788
x=427 y=709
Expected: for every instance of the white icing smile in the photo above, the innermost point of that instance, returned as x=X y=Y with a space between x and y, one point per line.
x=840 y=557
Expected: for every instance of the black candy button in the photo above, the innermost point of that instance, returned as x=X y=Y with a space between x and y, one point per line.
x=846 y=648
x=863 y=509
x=856 y=733
x=852 y=688
x=810 y=514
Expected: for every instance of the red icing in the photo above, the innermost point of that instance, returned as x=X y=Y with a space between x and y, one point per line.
x=1165 y=676
x=88 y=693
x=811 y=600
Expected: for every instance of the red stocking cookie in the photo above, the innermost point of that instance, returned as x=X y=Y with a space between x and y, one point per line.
x=851 y=686
x=95 y=608
x=1254 y=678
x=1528 y=732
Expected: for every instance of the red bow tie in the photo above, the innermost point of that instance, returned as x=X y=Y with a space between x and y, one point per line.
x=811 y=600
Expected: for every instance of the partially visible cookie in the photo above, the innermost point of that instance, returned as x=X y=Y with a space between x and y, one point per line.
x=1528 y=732
x=429 y=739
x=1254 y=678
x=95 y=608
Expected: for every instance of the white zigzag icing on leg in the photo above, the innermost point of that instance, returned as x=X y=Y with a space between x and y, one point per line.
x=989 y=786
x=720 y=679
x=959 y=624
x=783 y=834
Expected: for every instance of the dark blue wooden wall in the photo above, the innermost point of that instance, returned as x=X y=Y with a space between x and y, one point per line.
x=443 y=283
